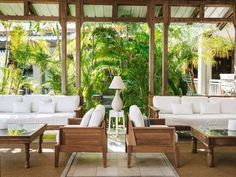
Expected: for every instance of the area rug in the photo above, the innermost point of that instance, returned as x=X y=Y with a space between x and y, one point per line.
x=42 y=165
x=143 y=164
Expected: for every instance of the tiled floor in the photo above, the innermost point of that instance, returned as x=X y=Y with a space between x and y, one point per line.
x=91 y=164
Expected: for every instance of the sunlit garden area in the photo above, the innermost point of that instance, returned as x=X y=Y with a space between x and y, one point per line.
x=117 y=88
x=31 y=59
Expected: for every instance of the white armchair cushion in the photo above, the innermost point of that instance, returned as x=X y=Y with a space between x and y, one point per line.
x=46 y=107
x=163 y=103
x=101 y=107
x=66 y=103
x=85 y=120
x=21 y=107
x=185 y=108
x=136 y=116
x=195 y=100
x=96 y=118
x=6 y=102
x=210 y=108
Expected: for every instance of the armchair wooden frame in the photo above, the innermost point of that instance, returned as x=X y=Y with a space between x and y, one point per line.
x=82 y=139
x=151 y=139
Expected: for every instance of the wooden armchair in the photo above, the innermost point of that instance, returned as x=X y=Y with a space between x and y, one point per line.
x=151 y=139
x=82 y=139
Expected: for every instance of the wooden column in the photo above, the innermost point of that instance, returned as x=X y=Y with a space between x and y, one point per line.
x=26 y=8
x=78 y=23
x=63 y=22
x=166 y=23
x=234 y=23
x=151 y=24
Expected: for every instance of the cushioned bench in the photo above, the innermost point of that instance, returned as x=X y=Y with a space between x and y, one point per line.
x=194 y=110
x=53 y=110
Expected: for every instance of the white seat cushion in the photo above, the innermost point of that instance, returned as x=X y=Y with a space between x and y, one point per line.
x=136 y=116
x=6 y=102
x=66 y=103
x=163 y=103
x=21 y=107
x=199 y=119
x=184 y=108
x=102 y=108
x=49 y=118
x=85 y=120
x=195 y=101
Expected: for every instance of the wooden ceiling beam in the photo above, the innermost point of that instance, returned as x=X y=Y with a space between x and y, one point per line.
x=201 y=20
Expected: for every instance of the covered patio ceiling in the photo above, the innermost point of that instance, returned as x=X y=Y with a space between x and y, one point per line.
x=219 y=12
x=181 y=11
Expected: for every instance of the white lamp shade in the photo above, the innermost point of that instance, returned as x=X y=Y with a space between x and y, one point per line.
x=117 y=83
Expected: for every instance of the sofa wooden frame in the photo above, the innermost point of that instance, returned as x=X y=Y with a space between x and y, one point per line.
x=150 y=140
x=82 y=139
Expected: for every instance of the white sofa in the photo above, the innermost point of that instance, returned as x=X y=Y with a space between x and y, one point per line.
x=195 y=110
x=53 y=110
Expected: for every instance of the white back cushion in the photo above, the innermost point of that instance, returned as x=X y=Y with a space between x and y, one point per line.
x=136 y=116
x=185 y=108
x=96 y=118
x=46 y=107
x=35 y=99
x=85 y=120
x=6 y=102
x=195 y=101
x=227 y=105
x=210 y=108
x=66 y=103
x=101 y=107
x=163 y=103
x=21 y=107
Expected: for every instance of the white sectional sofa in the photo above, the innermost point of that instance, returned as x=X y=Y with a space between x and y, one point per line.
x=195 y=110
x=53 y=110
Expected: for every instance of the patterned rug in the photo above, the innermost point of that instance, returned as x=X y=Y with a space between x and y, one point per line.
x=91 y=164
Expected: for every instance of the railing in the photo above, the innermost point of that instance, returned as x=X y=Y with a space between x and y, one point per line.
x=218 y=87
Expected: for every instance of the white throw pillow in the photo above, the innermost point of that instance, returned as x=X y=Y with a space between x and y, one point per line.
x=195 y=101
x=228 y=107
x=46 y=107
x=66 y=103
x=85 y=120
x=136 y=116
x=21 y=107
x=185 y=108
x=7 y=101
x=163 y=103
x=210 y=108
x=96 y=118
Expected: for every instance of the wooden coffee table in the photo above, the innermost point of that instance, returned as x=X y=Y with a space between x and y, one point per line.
x=212 y=137
x=23 y=134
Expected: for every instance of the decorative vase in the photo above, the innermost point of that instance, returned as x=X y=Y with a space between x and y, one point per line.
x=117 y=103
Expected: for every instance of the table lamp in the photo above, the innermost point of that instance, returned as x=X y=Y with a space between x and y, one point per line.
x=118 y=85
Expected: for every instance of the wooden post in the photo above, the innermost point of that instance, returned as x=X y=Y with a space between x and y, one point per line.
x=26 y=8
x=151 y=24
x=166 y=18
x=63 y=22
x=78 y=23
x=234 y=23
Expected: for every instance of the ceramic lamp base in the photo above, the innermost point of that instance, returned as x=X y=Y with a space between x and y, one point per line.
x=117 y=103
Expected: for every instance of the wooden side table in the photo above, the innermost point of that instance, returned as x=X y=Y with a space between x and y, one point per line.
x=116 y=115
